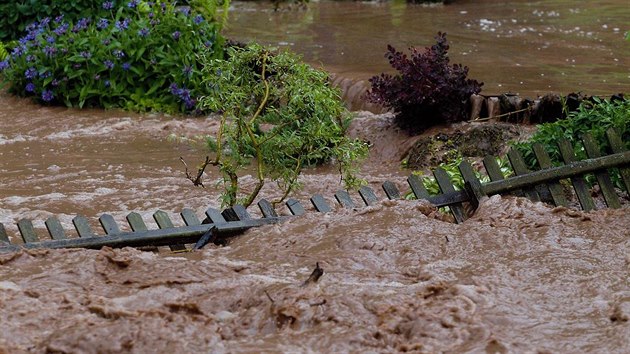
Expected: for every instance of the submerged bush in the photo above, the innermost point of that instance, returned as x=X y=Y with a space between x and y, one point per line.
x=278 y=111
x=427 y=90
x=141 y=56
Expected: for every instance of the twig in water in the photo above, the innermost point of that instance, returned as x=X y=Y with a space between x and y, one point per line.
x=197 y=180
x=269 y=296
x=314 y=277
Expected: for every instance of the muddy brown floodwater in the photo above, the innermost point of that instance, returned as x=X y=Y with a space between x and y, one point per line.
x=520 y=46
x=517 y=277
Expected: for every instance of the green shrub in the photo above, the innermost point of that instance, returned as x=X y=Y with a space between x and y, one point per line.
x=593 y=117
x=279 y=112
x=17 y=15
x=139 y=57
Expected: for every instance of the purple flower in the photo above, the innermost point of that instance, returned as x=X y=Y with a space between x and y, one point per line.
x=107 y=41
x=50 y=39
x=151 y=15
x=30 y=73
x=30 y=58
x=4 y=65
x=176 y=35
x=62 y=29
x=47 y=96
x=45 y=74
x=107 y=83
x=55 y=83
x=118 y=53
x=185 y=10
x=132 y=4
x=187 y=70
x=30 y=87
x=198 y=19
x=18 y=51
x=109 y=64
x=102 y=24
x=122 y=25
x=97 y=77
x=81 y=25
x=143 y=32
x=45 y=22
x=76 y=66
x=174 y=89
x=190 y=103
x=59 y=18
x=126 y=66
x=86 y=55
x=207 y=44
x=108 y=5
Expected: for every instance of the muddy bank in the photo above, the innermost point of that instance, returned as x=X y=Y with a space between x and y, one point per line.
x=517 y=277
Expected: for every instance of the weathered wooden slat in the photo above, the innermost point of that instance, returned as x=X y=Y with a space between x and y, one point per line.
x=417 y=187
x=189 y=217
x=472 y=183
x=519 y=167
x=3 y=234
x=161 y=237
x=368 y=195
x=266 y=208
x=213 y=216
x=492 y=168
x=82 y=225
x=109 y=224
x=603 y=179
x=242 y=225
x=55 y=229
x=578 y=182
x=320 y=204
x=27 y=231
x=391 y=191
x=544 y=162
x=446 y=186
x=235 y=213
x=343 y=197
x=295 y=207
x=164 y=222
x=135 y=222
x=617 y=146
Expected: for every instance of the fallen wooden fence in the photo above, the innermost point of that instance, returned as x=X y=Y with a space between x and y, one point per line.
x=541 y=185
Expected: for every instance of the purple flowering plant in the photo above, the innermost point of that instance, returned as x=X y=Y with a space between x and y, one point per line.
x=119 y=58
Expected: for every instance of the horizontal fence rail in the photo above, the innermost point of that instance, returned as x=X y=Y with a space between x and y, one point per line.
x=544 y=185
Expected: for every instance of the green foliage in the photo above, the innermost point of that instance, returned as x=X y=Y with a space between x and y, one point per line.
x=280 y=113
x=593 y=117
x=3 y=52
x=17 y=15
x=140 y=57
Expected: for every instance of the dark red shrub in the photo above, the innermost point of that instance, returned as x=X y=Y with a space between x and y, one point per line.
x=427 y=91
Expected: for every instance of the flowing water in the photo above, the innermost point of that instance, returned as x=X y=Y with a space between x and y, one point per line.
x=516 y=277
x=525 y=47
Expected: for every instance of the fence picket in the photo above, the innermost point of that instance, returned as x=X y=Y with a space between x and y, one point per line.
x=164 y=222
x=578 y=182
x=391 y=190
x=603 y=179
x=617 y=146
x=82 y=226
x=343 y=197
x=320 y=204
x=446 y=186
x=544 y=162
x=55 y=229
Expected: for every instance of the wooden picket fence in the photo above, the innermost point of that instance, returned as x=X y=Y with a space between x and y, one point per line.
x=544 y=184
